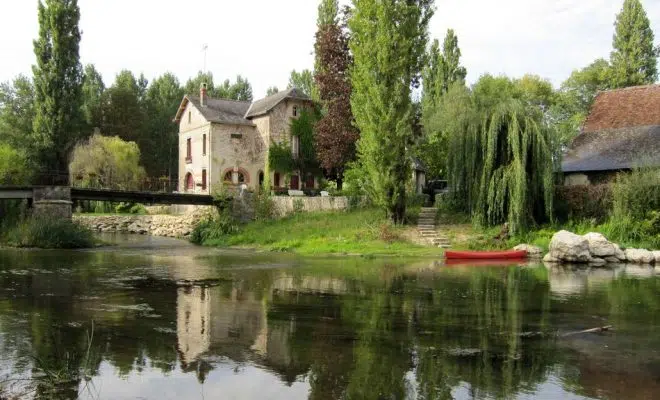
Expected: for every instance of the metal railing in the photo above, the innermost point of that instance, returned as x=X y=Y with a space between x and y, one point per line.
x=150 y=184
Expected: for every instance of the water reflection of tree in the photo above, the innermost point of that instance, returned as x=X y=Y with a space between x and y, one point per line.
x=354 y=330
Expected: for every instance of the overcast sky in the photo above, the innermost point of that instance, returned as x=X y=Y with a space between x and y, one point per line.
x=264 y=40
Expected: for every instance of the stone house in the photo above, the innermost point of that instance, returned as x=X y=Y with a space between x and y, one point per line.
x=226 y=142
x=621 y=132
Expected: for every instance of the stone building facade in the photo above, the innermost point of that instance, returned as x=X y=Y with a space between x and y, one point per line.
x=226 y=142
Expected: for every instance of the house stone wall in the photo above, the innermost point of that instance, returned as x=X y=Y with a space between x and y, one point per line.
x=231 y=153
x=194 y=130
x=280 y=131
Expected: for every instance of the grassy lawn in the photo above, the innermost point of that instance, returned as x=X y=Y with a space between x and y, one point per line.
x=360 y=232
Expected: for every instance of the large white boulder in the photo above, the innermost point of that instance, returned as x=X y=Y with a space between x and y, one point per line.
x=567 y=246
x=618 y=253
x=639 y=256
x=532 y=251
x=599 y=246
x=656 y=256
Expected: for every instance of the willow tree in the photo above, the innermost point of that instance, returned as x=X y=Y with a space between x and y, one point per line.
x=502 y=163
x=388 y=41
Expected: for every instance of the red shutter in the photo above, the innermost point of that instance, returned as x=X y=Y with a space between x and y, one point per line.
x=188 y=150
x=277 y=179
x=309 y=183
x=294 y=182
x=203 y=179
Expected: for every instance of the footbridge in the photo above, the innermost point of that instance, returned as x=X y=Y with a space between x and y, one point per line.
x=58 y=200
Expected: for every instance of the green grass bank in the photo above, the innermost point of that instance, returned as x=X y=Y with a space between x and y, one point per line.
x=364 y=232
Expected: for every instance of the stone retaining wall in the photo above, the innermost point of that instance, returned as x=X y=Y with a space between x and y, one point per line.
x=285 y=205
x=179 y=221
x=156 y=225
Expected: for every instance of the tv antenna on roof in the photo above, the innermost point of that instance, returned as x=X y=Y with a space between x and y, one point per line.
x=205 y=49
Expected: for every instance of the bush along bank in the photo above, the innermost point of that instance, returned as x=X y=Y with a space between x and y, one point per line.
x=47 y=233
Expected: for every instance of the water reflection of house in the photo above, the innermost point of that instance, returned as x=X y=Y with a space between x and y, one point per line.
x=240 y=324
x=193 y=308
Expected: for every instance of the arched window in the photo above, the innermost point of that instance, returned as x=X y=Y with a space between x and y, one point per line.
x=190 y=182
x=241 y=177
x=229 y=177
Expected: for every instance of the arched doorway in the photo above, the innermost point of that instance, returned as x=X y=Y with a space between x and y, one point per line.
x=261 y=178
x=190 y=182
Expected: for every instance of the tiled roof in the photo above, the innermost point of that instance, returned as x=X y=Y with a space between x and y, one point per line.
x=266 y=104
x=223 y=111
x=625 y=108
x=622 y=131
x=614 y=149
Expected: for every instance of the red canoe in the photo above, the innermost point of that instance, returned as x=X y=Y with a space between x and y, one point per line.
x=486 y=255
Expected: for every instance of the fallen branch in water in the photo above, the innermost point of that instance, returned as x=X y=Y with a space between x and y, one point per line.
x=593 y=330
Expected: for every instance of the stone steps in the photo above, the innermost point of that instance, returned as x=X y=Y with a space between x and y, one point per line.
x=427 y=230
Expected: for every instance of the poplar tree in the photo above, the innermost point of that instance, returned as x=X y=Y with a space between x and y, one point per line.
x=443 y=70
x=58 y=84
x=335 y=133
x=92 y=91
x=634 y=59
x=388 y=41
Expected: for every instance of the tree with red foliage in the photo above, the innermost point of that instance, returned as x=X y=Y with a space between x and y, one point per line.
x=335 y=133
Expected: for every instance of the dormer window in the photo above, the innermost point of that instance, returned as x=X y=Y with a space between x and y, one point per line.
x=295 y=111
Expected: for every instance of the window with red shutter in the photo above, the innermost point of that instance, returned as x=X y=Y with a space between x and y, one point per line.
x=295 y=182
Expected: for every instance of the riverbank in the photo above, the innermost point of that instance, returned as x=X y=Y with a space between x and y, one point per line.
x=465 y=236
x=364 y=232
x=46 y=233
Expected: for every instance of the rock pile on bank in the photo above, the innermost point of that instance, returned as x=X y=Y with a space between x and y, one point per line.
x=177 y=226
x=594 y=249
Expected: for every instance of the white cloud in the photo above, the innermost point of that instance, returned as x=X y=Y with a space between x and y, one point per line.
x=264 y=39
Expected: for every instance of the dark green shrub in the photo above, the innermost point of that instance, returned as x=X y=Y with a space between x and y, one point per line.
x=130 y=208
x=264 y=207
x=214 y=228
x=50 y=233
x=636 y=193
x=583 y=202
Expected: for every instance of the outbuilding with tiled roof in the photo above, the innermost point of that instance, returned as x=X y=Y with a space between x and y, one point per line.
x=622 y=132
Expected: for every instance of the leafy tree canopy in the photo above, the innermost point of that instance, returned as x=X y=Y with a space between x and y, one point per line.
x=92 y=92
x=58 y=83
x=634 y=58
x=382 y=75
x=304 y=80
x=16 y=111
x=107 y=162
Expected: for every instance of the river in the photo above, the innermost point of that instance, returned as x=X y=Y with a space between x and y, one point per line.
x=154 y=318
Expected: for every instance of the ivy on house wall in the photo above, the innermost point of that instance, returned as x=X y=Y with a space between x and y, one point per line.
x=280 y=155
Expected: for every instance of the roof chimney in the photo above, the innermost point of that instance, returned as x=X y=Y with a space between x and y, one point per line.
x=202 y=95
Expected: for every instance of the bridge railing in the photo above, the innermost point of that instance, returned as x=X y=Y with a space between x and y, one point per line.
x=150 y=184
